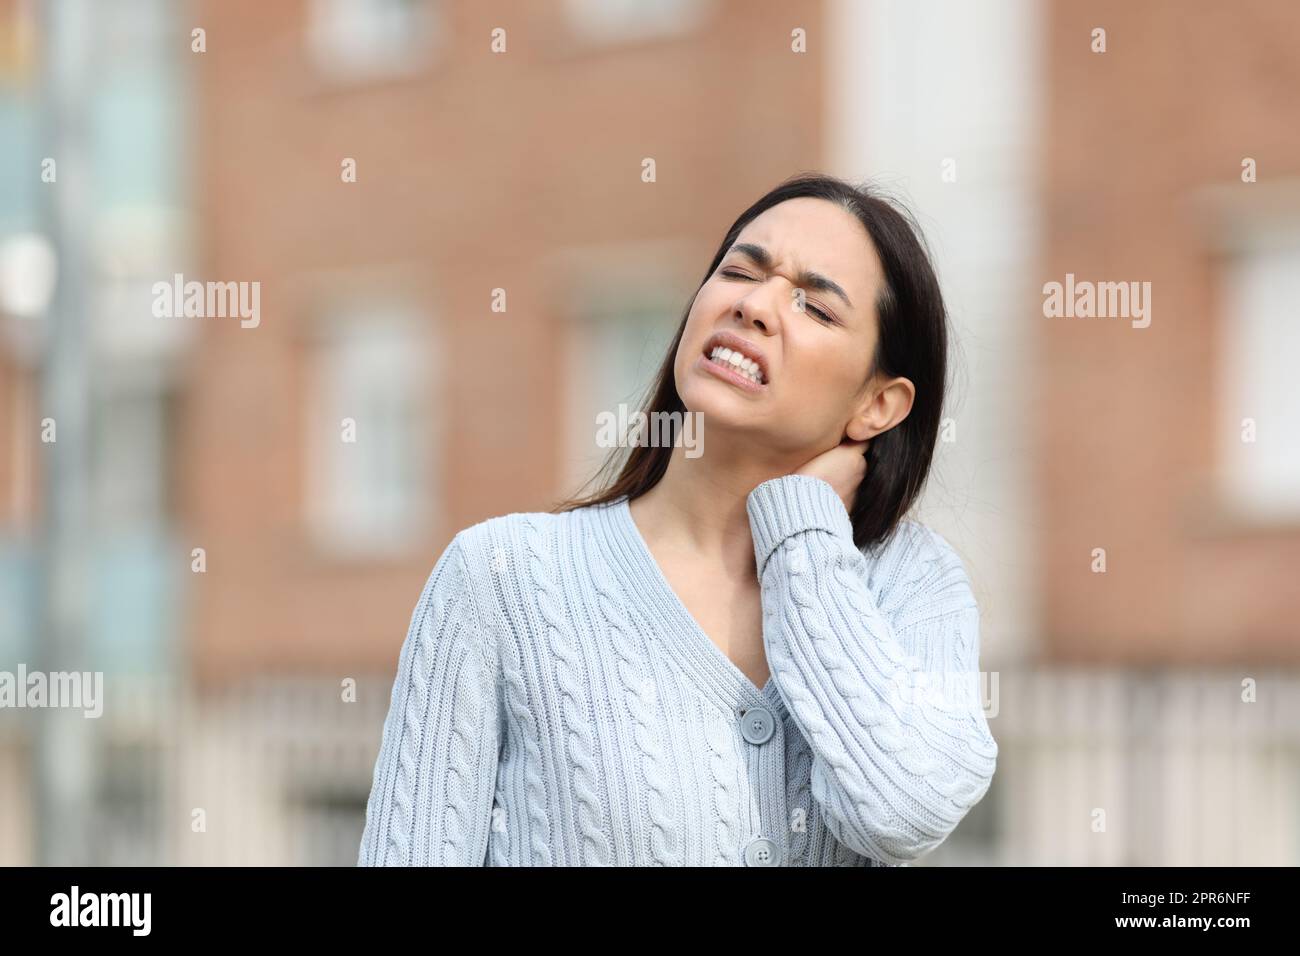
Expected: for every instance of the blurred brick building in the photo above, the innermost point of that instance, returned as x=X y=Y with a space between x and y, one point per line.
x=1144 y=445
x=496 y=147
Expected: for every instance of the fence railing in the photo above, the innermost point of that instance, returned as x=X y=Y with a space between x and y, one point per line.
x=1095 y=768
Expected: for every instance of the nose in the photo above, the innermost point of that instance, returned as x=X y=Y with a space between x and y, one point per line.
x=758 y=310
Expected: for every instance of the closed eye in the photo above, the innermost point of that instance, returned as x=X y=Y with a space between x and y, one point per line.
x=733 y=274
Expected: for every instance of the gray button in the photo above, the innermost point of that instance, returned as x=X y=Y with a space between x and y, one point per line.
x=762 y=852
x=757 y=725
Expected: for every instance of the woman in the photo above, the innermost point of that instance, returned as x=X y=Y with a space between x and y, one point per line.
x=742 y=657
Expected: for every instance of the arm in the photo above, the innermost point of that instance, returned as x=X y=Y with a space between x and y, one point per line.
x=431 y=797
x=895 y=765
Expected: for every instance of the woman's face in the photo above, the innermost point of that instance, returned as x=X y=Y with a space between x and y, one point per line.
x=796 y=292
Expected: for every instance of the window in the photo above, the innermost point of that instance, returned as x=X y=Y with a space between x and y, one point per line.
x=1261 y=478
x=132 y=576
x=613 y=21
x=20 y=597
x=370 y=474
x=129 y=461
x=613 y=353
x=362 y=39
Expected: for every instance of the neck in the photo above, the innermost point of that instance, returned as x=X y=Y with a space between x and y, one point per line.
x=698 y=509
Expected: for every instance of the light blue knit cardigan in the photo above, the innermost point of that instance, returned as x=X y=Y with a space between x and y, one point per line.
x=556 y=704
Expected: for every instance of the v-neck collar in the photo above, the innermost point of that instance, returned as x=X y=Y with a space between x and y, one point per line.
x=712 y=669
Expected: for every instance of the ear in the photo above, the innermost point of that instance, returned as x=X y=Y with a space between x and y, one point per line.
x=883 y=408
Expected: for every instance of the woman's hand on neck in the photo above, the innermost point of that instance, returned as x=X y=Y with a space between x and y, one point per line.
x=699 y=507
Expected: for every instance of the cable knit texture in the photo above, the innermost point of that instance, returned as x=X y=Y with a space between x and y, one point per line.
x=557 y=705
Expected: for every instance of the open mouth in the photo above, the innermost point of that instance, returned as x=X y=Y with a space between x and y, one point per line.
x=738 y=363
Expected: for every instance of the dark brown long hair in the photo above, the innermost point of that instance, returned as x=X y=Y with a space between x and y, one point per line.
x=912 y=342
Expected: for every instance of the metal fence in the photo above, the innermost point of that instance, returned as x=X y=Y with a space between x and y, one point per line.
x=1095 y=768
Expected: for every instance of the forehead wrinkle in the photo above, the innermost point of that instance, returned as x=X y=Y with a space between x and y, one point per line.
x=803 y=277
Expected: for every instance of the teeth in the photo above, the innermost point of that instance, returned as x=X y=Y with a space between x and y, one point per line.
x=738 y=363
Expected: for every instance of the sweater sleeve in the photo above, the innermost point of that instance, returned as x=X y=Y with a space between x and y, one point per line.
x=888 y=703
x=432 y=794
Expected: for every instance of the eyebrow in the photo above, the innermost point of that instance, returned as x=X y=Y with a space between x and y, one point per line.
x=814 y=280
